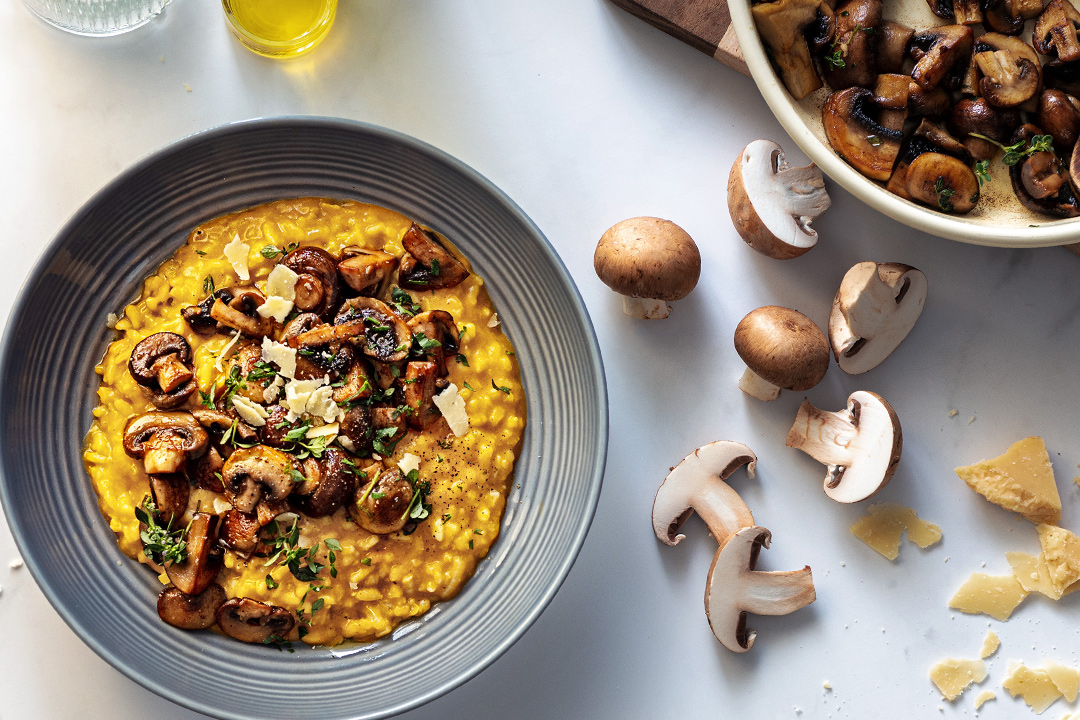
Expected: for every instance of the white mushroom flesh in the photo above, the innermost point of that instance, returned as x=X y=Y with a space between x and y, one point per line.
x=756 y=386
x=645 y=308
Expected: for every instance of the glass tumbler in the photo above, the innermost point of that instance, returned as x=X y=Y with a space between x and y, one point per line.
x=280 y=28
x=96 y=17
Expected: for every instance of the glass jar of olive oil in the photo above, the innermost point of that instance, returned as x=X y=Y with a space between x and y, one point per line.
x=280 y=28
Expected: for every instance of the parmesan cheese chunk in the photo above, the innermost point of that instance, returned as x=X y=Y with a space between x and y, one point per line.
x=271 y=391
x=321 y=404
x=493 y=321
x=275 y=307
x=952 y=677
x=886 y=523
x=1033 y=685
x=298 y=393
x=452 y=407
x=225 y=350
x=281 y=355
x=408 y=463
x=236 y=252
x=1021 y=480
x=1066 y=679
x=990 y=644
x=282 y=283
x=984 y=697
x=996 y=596
x=1032 y=573
x=1061 y=551
x=322 y=430
x=251 y=413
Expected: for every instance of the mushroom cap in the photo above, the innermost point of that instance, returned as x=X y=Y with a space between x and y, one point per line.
x=254 y=474
x=252 y=621
x=383 y=502
x=697 y=483
x=318 y=288
x=386 y=345
x=334 y=486
x=771 y=204
x=190 y=612
x=646 y=257
x=783 y=347
x=854 y=128
x=165 y=440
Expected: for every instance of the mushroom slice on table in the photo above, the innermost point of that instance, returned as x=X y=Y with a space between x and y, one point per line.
x=252 y=621
x=383 y=502
x=1055 y=31
x=937 y=51
x=255 y=474
x=735 y=589
x=165 y=440
x=854 y=128
x=426 y=264
x=161 y=364
x=318 y=289
x=205 y=556
x=873 y=311
x=773 y=204
x=649 y=262
x=366 y=271
x=190 y=612
x=783 y=350
x=781 y=24
x=697 y=484
x=859 y=445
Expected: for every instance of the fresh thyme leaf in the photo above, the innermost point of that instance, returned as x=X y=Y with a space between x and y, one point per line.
x=435 y=267
x=208 y=284
x=425 y=342
x=982 y=171
x=200 y=252
x=365 y=561
x=271 y=583
x=462 y=360
x=944 y=194
x=262 y=371
x=297 y=477
x=270 y=251
x=468 y=386
x=162 y=544
x=207 y=399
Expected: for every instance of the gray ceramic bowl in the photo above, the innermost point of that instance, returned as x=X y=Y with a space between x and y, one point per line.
x=96 y=265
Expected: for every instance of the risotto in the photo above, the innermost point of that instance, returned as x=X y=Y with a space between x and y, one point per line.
x=307 y=424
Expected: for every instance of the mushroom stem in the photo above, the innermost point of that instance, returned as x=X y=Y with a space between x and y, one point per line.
x=778 y=592
x=756 y=386
x=645 y=308
x=823 y=435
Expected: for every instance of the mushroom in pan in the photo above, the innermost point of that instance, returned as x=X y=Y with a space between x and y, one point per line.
x=938 y=51
x=859 y=445
x=1041 y=181
x=386 y=336
x=329 y=484
x=854 y=59
x=893 y=40
x=366 y=271
x=782 y=349
x=252 y=621
x=1059 y=116
x=942 y=181
x=781 y=24
x=426 y=264
x=161 y=364
x=773 y=204
x=205 y=556
x=735 y=589
x=1055 y=31
x=648 y=262
x=255 y=474
x=164 y=440
x=318 y=289
x=383 y=502
x=873 y=311
x=190 y=612
x=971 y=116
x=697 y=484
x=1010 y=69
x=241 y=313
x=853 y=127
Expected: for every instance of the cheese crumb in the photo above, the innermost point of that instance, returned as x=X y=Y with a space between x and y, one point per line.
x=251 y=413
x=321 y=404
x=282 y=282
x=408 y=463
x=236 y=252
x=221 y=507
x=984 y=697
x=882 y=529
x=990 y=644
x=1033 y=685
x=452 y=407
x=952 y=677
x=827 y=685
x=110 y=320
x=494 y=320
x=953 y=412
x=16 y=563
x=275 y=307
x=281 y=355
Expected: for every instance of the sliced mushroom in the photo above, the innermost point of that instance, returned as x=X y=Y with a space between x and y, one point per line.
x=205 y=556
x=860 y=445
x=857 y=24
x=938 y=51
x=318 y=289
x=164 y=440
x=997 y=17
x=254 y=474
x=976 y=116
x=893 y=40
x=735 y=589
x=822 y=31
x=426 y=264
x=386 y=335
x=240 y=531
x=367 y=271
x=205 y=473
x=190 y=612
x=170 y=492
x=420 y=388
x=853 y=128
x=252 y=621
x=773 y=204
x=782 y=349
x=198 y=316
x=942 y=182
x=781 y=24
x=241 y=312
x=384 y=502
x=1055 y=31
x=873 y=311
x=1011 y=71
x=1037 y=173
x=698 y=484
x=218 y=421
x=357 y=426
x=384 y=418
x=1043 y=175
x=335 y=485
x=161 y=364
x=1059 y=116
x=1063 y=76
x=927 y=138
x=436 y=333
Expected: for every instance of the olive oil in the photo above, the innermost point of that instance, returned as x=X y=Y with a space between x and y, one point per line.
x=280 y=28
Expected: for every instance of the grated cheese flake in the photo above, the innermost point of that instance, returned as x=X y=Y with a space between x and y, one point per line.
x=275 y=307
x=225 y=350
x=251 y=413
x=329 y=429
x=282 y=283
x=281 y=355
x=236 y=252
x=408 y=463
x=452 y=407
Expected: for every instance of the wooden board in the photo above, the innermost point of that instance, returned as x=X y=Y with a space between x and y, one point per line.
x=702 y=24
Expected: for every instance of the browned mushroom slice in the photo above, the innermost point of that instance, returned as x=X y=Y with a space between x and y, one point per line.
x=384 y=502
x=252 y=621
x=386 y=334
x=164 y=440
x=240 y=313
x=170 y=492
x=240 y=531
x=1063 y=76
x=967 y=12
x=1062 y=204
x=218 y=422
x=970 y=117
x=358 y=384
x=1011 y=70
x=1055 y=31
x=205 y=473
x=205 y=557
x=852 y=126
x=437 y=335
x=943 y=182
x=334 y=485
x=385 y=418
x=1059 y=116
x=161 y=364
x=318 y=289
x=254 y=474
x=198 y=316
x=857 y=23
x=781 y=24
x=277 y=427
x=419 y=390
x=426 y=264
x=326 y=334
x=893 y=40
x=190 y=612
x=927 y=103
x=998 y=17
x=366 y=271
x=937 y=51
x=1043 y=175
x=822 y=31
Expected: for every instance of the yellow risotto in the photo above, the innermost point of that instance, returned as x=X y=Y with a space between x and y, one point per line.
x=307 y=424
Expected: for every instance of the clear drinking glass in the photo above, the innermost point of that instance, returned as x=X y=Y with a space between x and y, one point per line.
x=96 y=17
x=280 y=28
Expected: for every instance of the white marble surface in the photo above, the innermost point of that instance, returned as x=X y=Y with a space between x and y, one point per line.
x=586 y=116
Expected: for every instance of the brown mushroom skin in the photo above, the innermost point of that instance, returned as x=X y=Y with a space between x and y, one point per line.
x=893 y=39
x=358 y=427
x=165 y=441
x=190 y=612
x=252 y=621
x=437 y=325
x=938 y=51
x=420 y=380
x=240 y=531
x=335 y=486
x=318 y=289
x=1059 y=117
x=1010 y=69
x=161 y=364
x=1064 y=204
x=850 y=118
x=383 y=502
x=366 y=271
x=205 y=473
x=205 y=556
x=255 y=474
x=170 y=492
x=198 y=316
x=943 y=182
x=857 y=24
x=1056 y=31
x=426 y=264
x=385 y=336
x=768 y=333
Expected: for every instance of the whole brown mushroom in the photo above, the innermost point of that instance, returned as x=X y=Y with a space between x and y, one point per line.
x=782 y=349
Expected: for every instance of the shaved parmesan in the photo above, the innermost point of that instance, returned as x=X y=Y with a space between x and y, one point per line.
x=494 y=321
x=221 y=507
x=408 y=463
x=330 y=429
x=321 y=403
x=282 y=283
x=281 y=355
x=236 y=252
x=251 y=413
x=452 y=407
x=346 y=443
x=297 y=394
x=225 y=350
x=275 y=307
x=271 y=391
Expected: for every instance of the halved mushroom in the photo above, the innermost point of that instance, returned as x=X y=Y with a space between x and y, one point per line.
x=198 y=316
x=873 y=311
x=161 y=364
x=318 y=289
x=781 y=24
x=366 y=271
x=893 y=40
x=383 y=502
x=357 y=383
x=853 y=128
x=218 y=421
x=1043 y=175
x=240 y=531
x=1055 y=31
x=252 y=621
x=927 y=103
x=698 y=484
x=927 y=138
x=998 y=18
x=773 y=204
x=205 y=473
x=735 y=589
x=1040 y=174
x=205 y=556
x=1011 y=71
x=436 y=334
x=822 y=31
x=164 y=440
x=783 y=350
x=943 y=182
x=1059 y=117
x=251 y=475
x=420 y=390
x=384 y=418
x=170 y=492
x=386 y=335
x=329 y=484
x=856 y=40
x=1063 y=76
x=860 y=445
x=358 y=428
x=241 y=313
x=938 y=51
x=190 y=612
x=426 y=264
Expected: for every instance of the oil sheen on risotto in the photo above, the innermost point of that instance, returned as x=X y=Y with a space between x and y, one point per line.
x=307 y=424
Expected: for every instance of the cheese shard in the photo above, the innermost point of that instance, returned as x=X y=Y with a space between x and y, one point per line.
x=1066 y=679
x=281 y=355
x=236 y=252
x=882 y=529
x=1061 y=551
x=984 y=697
x=993 y=595
x=990 y=644
x=282 y=283
x=1033 y=685
x=1021 y=480
x=953 y=676
x=452 y=407
x=1032 y=573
